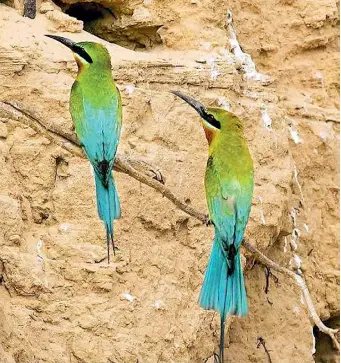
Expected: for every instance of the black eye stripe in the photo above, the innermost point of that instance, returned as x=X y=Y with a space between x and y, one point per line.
x=81 y=52
x=212 y=121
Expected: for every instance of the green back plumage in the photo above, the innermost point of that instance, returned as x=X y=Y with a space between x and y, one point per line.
x=229 y=178
x=229 y=189
x=95 y=104
x=96 y=110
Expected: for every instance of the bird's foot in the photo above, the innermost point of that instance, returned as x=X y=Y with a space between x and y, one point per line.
x=115 y=248
x=217 y=358
x=208 y=222
x=158 y=176
x=213 y=359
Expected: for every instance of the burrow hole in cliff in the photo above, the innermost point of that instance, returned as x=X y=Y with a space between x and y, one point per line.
x=325 y=351
x=113 y=26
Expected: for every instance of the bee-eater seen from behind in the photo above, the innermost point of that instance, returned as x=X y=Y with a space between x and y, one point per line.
x=96 y=110
x=229 y=188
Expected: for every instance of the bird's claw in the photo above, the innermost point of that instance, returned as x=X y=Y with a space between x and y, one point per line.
x=115 y=249
x=215 y=357
x=158 y=176
x=208 y=222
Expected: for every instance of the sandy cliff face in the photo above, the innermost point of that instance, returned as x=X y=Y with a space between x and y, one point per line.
x=59 y=302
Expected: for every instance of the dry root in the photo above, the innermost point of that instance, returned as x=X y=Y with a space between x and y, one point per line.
x=152 y=177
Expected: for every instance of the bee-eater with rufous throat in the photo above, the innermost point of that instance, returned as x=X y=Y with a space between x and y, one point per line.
x=229 y=188
x=96 y=111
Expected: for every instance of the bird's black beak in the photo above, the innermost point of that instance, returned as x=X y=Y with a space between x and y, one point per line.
x=199 y=108
x=73 y=46
x=67 y=42
x=192 y=102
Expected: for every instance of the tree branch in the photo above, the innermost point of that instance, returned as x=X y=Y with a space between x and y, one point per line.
x=261 y=342
x=301 y=284
x=137 y=168
x=152 y=177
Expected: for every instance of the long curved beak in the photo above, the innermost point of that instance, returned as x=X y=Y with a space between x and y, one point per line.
x=192 y=102
x=200 y=109
x=75 y=47
x=67 y=42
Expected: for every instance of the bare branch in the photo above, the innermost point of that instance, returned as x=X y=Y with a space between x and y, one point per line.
x=152 y=177
x=70 y=143
x=261 y=342
x=301 y=284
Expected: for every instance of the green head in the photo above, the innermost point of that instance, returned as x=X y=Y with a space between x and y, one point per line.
x=87 y=54
x=215 y=121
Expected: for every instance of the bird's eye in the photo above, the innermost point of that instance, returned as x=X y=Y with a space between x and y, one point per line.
x=211 y=118
x=82 y=53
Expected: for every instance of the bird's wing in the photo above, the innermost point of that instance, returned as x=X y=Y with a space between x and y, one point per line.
x=229 y=202
x=243 y=204
x=97 y=127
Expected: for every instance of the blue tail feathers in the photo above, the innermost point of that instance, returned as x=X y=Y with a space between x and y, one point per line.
x=108 y=206
x=222 y=292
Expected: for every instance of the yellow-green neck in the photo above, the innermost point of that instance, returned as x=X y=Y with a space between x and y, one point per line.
x=225 y=138
x=93 y=75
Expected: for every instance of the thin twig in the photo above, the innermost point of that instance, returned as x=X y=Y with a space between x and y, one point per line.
x=267 y=278
x=123 y=164
x=261 y=342
x=301 y=284
x=268 y=274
